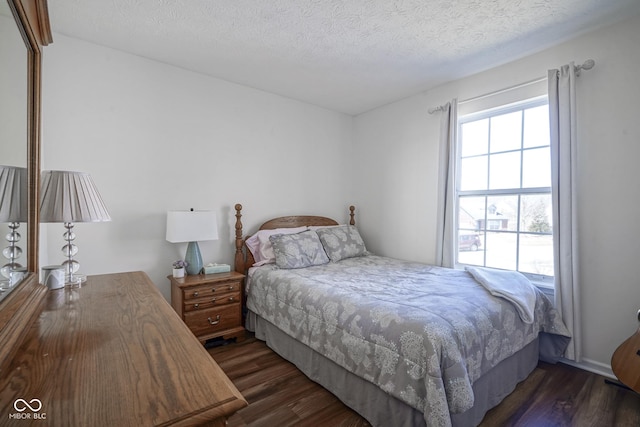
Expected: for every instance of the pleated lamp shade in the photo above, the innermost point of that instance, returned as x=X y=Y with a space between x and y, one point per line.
x=13 y=194
x=70 y=197
x=13 y=210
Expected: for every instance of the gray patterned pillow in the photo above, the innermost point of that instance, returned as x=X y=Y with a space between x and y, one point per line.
x=298 y=250
x=341 y=242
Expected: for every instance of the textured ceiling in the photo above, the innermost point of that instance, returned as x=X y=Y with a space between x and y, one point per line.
x=345 y=55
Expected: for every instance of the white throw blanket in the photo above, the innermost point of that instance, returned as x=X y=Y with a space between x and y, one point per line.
x=510 y=285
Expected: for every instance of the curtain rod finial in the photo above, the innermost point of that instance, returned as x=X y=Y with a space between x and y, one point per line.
x=588 y=64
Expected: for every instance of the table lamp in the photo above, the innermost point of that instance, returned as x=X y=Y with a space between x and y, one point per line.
x=192 y=226
x=70 y=197
x=13 y=210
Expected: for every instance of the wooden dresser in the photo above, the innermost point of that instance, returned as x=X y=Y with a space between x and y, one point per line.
x=210 y=304
x=113 y=353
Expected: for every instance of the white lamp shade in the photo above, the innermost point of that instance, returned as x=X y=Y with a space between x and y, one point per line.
x=70 y=197
x=191 y=226
x=13 y=194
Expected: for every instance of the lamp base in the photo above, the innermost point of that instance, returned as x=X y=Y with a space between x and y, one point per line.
x=70 y=250
x=193 y=258
x=11 y=252
x=75 y=280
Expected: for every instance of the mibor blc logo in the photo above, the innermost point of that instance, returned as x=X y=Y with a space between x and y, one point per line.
x=27 y=410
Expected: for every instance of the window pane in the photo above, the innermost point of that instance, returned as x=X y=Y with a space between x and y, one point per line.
x=506 y=132
x=475 y=137
x=536 y=254
x=473 y=173
x=502 y=213
x=535 y=213
x=471 y=248
x=504 y=171
x=501 y=250
x=470 y=212
x=536 y=126
x=536 y=168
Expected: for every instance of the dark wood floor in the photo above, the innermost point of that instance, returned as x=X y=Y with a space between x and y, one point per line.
x=553 y=395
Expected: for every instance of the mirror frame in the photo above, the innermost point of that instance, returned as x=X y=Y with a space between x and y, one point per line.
x=22 y=305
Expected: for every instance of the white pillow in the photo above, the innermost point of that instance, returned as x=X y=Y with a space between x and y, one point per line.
x=261 y=248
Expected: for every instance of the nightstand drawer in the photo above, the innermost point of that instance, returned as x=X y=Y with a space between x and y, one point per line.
x=213 y=320
x=211 y=301
x=211 y=289
x=210 y=304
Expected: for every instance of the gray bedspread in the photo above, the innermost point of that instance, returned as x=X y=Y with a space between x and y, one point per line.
x=421 y=333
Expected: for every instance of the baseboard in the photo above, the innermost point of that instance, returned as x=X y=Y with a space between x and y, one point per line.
x=591 y=366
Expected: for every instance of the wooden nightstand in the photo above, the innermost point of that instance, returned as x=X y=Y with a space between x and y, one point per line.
x=210 y=304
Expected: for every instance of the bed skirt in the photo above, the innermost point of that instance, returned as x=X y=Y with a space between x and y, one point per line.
x=378 y=407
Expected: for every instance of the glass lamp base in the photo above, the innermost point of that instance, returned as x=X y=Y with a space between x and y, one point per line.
x=5 y=285
x=193 y=258
x=75 y=279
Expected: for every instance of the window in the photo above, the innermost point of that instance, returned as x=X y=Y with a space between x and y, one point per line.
x=503 y=189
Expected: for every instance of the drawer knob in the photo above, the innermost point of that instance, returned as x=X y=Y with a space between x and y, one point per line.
x=231 y=299
x=213 y=299
x=230 y=288
x=195 y=294
x=196 y=305
x=214 y=322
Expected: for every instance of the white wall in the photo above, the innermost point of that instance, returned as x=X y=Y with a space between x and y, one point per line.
x=157 y=138
x=396 y=174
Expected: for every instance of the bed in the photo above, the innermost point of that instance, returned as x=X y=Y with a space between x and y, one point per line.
x=402 y=343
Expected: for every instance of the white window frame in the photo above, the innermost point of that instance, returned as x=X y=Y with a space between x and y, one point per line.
x=538 y=279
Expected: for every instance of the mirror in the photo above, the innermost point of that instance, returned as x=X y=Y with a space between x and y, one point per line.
x=30 y=18
x=13 y=152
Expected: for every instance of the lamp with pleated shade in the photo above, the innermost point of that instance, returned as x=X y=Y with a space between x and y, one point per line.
x=70 y=197
x=13 y=210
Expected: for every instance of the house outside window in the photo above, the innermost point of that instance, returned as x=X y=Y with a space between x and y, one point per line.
x=503 y=190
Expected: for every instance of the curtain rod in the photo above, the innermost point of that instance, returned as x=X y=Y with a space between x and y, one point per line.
x=586 y=65
x=506 y=89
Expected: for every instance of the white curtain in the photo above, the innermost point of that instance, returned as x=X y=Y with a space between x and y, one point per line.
x=445 y=247
x=562 y=121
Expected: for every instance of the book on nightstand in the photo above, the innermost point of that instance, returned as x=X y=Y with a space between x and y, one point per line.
x=216 y=268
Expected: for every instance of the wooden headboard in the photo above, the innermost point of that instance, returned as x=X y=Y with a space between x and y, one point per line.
x=244 y=258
